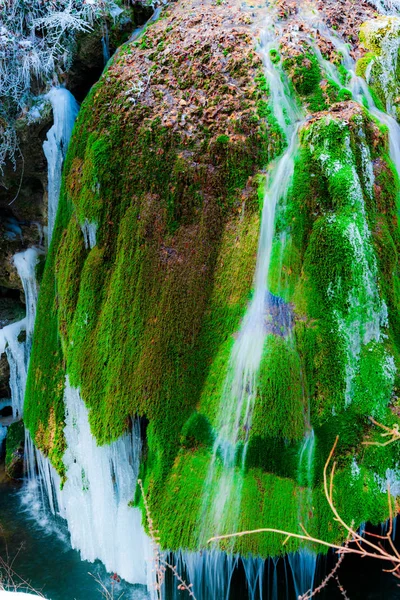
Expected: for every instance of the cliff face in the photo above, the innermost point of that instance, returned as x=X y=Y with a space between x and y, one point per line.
x=151 y=269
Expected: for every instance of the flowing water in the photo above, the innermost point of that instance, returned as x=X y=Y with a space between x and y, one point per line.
x=240 y=388
x=387 y=7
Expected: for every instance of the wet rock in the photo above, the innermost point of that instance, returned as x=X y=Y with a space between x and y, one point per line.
x=23 y=194
x=278 y=315
x=11 y=307
x=4 y=377
x=15 y=450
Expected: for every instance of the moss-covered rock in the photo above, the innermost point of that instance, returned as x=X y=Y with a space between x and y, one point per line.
x=15 y=450
x=171 y=185
x=166 y=166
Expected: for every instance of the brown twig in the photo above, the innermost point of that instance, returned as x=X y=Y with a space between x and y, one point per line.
x=105 y=592
x=311 y=593
x=393 y=432
x=9 y=579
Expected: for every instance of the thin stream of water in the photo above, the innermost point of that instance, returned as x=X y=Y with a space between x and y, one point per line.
x=222 y=490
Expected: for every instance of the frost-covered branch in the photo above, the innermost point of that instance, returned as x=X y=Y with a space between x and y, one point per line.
x=37 y=42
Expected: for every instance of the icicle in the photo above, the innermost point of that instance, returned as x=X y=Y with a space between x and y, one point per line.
x=89 y=231
x=18 y=360
x=65 y=111
x=18 y=350
x=95 y=499
x=25 y=263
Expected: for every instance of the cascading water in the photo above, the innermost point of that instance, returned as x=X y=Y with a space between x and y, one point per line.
x=387 y=7
x=96 y=498
x=359 y=89
x=65 y=111
x=240 y=388
x=354 y=330
x=306 y=460
x=13 y=342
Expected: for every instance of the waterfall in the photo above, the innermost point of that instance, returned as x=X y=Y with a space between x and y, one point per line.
x=303 y=566
x=306 y=460
x=360 y=92
x=356 y=331
x=96 y=497
x=3 y=435
x=105 y=43
x=254 y=569
x=240 y=388
x=212 y=575
x=13 y=341
x=65 y=111
x=387 y=7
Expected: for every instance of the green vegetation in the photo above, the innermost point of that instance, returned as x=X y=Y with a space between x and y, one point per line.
x=316 y=91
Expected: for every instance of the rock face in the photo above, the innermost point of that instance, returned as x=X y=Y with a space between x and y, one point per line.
x=23 y=198
x=166 y=166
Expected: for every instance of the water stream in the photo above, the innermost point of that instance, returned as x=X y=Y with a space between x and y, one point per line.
x=240 y=389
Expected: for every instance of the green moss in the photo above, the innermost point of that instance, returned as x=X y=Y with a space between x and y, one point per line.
x=280 y=406
x=14 y=442
x=197 y=432
x=363 y=63
x=274 y=54
x=144 y=323
x=313 y=86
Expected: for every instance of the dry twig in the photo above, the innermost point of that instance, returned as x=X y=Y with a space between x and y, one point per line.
x=393 y=432
x=9 y=579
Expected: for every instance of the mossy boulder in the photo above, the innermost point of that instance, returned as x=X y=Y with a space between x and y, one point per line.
x=164 y=160
x=166 y=164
